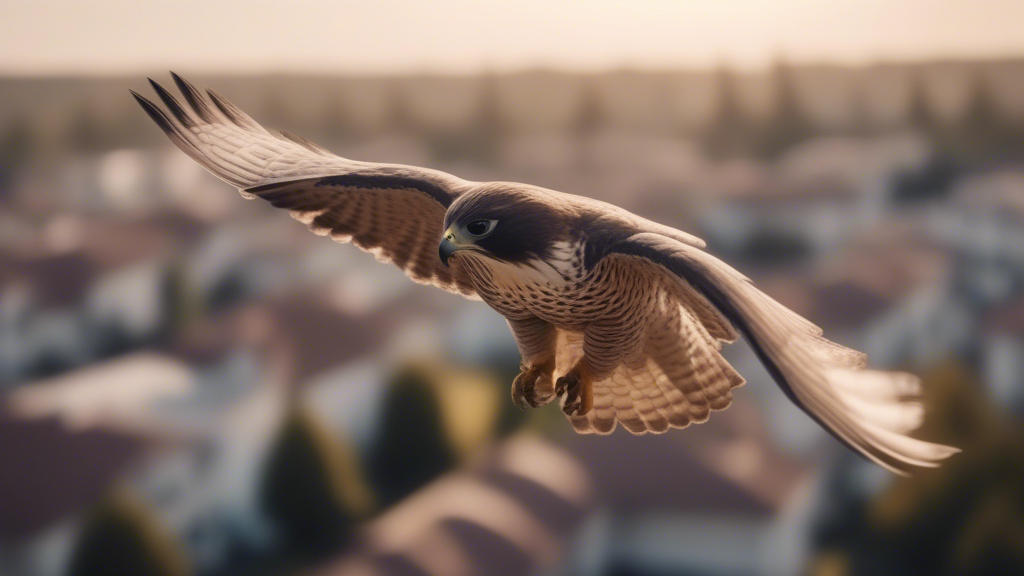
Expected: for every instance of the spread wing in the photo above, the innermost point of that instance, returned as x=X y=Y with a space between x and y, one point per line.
x=395 y=212
x=680 y=376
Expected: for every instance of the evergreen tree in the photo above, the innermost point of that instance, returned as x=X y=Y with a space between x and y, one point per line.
x=312 y=487
x=480 y=141
x=15 y=148
x=965 y=517
x=411 y=447
x=919 y=115
x=860 y=122
x=85 y=133
x=489 y=123
x=122 y=538
x=589 y=117
x=399 y=115
x=730 y=133
x=980 y=135
x=787 y=125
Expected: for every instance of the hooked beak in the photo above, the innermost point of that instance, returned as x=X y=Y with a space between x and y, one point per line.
x=450 y=244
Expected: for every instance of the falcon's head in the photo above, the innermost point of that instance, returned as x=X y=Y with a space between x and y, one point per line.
x=507 y=222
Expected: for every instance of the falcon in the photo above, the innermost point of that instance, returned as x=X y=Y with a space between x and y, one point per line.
x=619 y=318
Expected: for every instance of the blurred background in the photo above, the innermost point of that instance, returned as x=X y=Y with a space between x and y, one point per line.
x=194 y=384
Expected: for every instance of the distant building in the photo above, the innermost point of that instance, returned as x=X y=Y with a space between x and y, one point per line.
x=816 y=196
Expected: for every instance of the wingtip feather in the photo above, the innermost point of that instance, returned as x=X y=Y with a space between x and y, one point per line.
x=194 y=97
x=154 y=112
x=172 y=104
x=232 y=112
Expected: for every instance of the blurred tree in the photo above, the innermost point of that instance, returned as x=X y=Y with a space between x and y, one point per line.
x=489 y=124
x=476 y=143
x=731 y=132
x=980 y=135
x=121 y=537
x=400 y=118
x=276 y=108
x=982 y=486
x=787 y=126
x=966 y=517
x=334 y=124
x=15 y=149
x=469 y=405
x=588 y=121
x=180 y=304
x=85 y=132
x=411 y=446
x=919 y=115
x=860 y=121
x=589 y=116
x=312 y=487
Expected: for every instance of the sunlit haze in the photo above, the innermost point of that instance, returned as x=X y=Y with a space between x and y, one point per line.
x=398 y=36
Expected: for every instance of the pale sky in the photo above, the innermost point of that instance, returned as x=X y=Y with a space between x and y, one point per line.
x=398 y=36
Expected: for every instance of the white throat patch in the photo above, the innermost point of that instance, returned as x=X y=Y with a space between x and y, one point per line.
x=556 y=272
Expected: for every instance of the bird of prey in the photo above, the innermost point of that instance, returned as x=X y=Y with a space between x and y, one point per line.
x=619 y=318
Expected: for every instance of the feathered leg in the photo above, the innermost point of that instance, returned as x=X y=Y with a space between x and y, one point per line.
x=577 y=387
x=606 y=344
x=537 y=341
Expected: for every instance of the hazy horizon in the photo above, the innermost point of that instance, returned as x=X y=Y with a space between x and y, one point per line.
x=115 y=37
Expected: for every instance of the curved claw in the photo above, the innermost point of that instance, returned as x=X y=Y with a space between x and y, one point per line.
x=575 y=393
x=569 y=386
x=525 y=393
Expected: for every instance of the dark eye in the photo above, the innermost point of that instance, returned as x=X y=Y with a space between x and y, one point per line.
x=480 y=227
